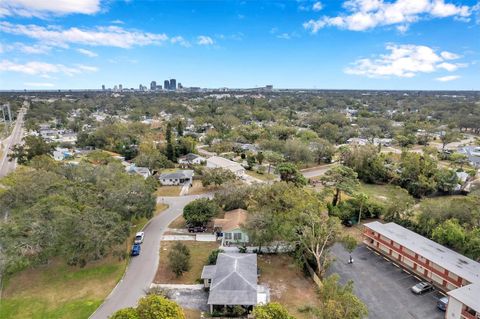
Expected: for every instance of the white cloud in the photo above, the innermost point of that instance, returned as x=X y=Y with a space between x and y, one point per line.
x=45 y=8
x=284 y=36
x=86 y=52
x=39 y=84
x=42 y=68
x=449 y=55
x=117 y=21
x=25 y=48
x=448 y=78
x=204 y=40
x=180 y=40
x=317 y=6
x=363 y=15
x=403 y=61
x=101 y=36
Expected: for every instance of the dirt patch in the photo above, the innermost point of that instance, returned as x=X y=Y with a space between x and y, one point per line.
x=199 y=252
x=288 y=285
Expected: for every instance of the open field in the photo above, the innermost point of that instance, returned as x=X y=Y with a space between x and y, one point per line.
x=288 y=285
x=199 y=252
x=59 y=291
x=64 y=292
x=384 y=193
x=198 y=188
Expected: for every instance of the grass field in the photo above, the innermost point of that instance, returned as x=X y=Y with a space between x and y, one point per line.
x=198 y=188
x=263 y=177
x=288 y=285
x=384 y=193
x=199 y=252
x=58 y=291
x=168 y=191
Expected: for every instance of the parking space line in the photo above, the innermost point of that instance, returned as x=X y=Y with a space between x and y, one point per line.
x=417 y=278
x=388 y=260
x=406 y=271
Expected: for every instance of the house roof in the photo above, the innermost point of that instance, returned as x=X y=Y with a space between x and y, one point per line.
x=454 y=262
x=177 y=174
x=235 y=280
x=223 y=162
x=208 y=272
x=233 y=219
x=468 y=295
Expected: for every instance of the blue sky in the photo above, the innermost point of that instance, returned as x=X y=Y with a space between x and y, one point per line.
x=352 y=44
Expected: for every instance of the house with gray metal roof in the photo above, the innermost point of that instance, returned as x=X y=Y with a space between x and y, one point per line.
x=180 y=177
x=233 y=282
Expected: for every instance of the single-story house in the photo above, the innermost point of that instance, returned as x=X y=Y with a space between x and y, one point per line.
x=220 y=162
x=142 y=171
x=230 y=227
x=473 y=154
x=357 y=141
x=59 y=154
x=179 y=177
x=233 y=282
x=191 y=158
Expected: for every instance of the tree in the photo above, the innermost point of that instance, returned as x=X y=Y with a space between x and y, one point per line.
x=212 y=258
x=32 y=146
x=316 y=233
x=250 y=161
x=157 y=307
x=179 y=259
x=273 y=158
x=170 y=147
x=290 y=173
x=260 y=157
x=349 y=243
x=272 y=310
x=338 y=302
x=417 y=174
x=200 y=211
x=180 y=128
x=217 y=176
x=362 y=199
x=127 y=313
x=450 y=233
x=447 y=180
x=448 y=137
x=341 y=179
x=323 y=150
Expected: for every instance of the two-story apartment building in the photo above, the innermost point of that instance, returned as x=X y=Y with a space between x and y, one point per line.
x=448 y=270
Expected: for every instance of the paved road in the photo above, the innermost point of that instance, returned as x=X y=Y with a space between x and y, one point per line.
x=141 y=270
x=319 y=171
x=6 y=166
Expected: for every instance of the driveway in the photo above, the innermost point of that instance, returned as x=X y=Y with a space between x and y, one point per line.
x=383 y=287
x=141 y=269
x=6 y=166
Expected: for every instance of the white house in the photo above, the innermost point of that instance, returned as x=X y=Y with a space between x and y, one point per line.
x=230 y=227
x=191 y=159
x=59 y=154
x=220 y=162
x=179 y=177
x=142 y=171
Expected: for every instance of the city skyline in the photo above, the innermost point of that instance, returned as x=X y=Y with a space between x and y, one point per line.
x=356 y=44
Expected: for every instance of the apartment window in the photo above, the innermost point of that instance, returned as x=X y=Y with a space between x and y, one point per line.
x=237 y=236
x=228 y=235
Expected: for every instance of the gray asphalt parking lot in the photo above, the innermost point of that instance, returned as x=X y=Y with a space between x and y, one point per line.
x=384 y=287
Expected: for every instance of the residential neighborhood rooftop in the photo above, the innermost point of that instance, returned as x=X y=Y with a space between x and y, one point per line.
x=234 y=281
x=440 y=255
x=177 y=174
x=468 y=295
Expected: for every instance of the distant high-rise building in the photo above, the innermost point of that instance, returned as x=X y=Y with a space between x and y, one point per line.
x=103 y=87
x=153 y=85
x=180 y=86
x=166 y=85
x=159 y=87
x=173 y=84
x=115 y=88
x=120 y=87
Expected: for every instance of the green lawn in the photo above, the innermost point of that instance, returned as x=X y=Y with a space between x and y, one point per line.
x=58 y=291
x=384 y=193
x=263 y=177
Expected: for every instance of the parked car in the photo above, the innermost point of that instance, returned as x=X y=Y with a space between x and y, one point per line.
x=196 y=229
x=442 y=303
x=347 y=223
x=136 y=250
x=421 y=288
x=139 y=237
